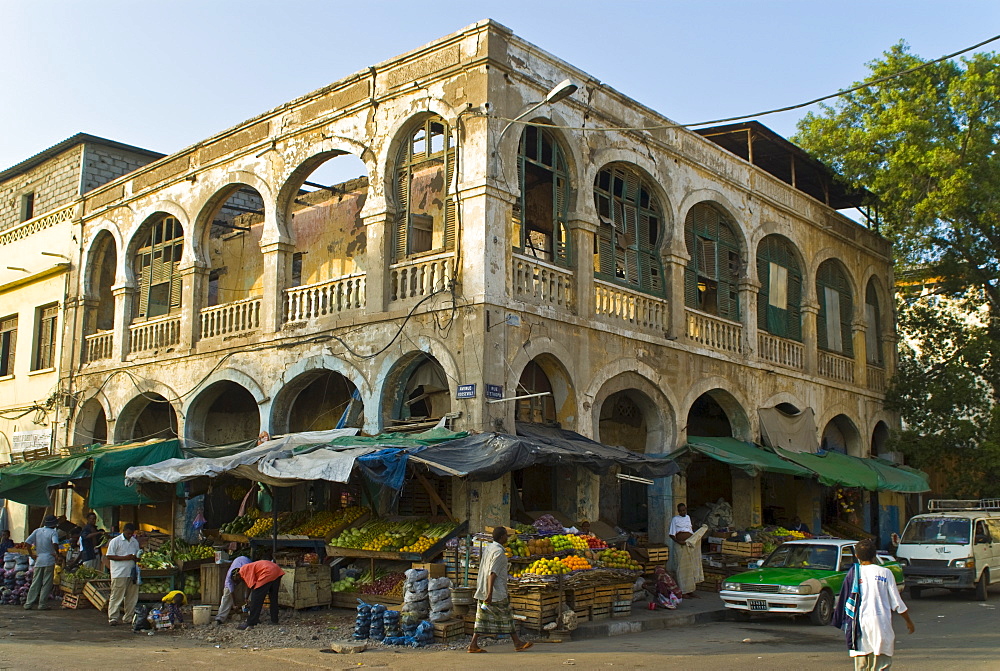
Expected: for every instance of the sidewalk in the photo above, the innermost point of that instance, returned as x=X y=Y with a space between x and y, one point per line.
x=707 y=608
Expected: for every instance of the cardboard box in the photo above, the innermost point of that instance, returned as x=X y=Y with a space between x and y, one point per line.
x=433 y=570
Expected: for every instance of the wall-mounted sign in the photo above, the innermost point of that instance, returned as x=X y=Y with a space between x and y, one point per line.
x=466 y=391
x=494 y=391
x=22 y=441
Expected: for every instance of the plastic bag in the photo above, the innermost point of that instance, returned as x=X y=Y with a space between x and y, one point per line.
x=415 y=574
x=438 y=583
x=443 y=604
x=424 y=633
x=417 y=585
x=440 y=615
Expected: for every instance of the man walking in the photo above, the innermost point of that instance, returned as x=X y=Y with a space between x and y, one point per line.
x=493 y=615
x=123 y=552
x=263 y=578
x=46 y=541
x=687 y=546
x=867 y=618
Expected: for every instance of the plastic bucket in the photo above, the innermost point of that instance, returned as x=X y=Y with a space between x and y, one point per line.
x=201 y=615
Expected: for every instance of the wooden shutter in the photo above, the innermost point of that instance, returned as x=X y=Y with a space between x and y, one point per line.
x=764 y=277
x=560 y=241
x=450 y=211
x=403 y=205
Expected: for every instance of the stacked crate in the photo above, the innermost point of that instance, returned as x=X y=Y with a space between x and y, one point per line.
x=98 y=592
x=538 y=607
x=622 y=604
x=454 y=561
x=604 y=596
x=739 y=549
x=449 y=631
x=581 y=600
x=75 y=601
x=305 y=586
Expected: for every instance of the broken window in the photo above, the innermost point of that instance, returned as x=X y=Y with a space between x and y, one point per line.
x=156 y=266
x=780 y=297
x=873 y=326
x=27 y=206
x=836 y=305
x=711 y=279
x=538 y=218
x=425 y=169
x=628 y=240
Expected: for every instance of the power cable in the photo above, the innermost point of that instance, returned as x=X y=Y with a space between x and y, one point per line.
x=745 y=117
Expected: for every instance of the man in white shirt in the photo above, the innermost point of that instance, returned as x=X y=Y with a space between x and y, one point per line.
x=122 y=553
x=879 y=597
x=687 y=547
x=493 y=614
x=46 y=541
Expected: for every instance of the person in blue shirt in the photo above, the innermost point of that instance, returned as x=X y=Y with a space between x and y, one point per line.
x=46 y=541
x=5 y=542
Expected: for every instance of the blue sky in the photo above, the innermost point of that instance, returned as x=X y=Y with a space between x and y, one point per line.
x=164 y=75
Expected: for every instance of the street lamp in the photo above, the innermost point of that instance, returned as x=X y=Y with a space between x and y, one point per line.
x=561 y=91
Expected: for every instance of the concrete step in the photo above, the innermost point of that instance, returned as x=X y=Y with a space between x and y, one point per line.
x=707 y=608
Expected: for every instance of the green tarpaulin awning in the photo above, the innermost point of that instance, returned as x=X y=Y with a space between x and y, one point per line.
x=893 y=478
x=746 y=456
x=29 y=482
x=834 y=468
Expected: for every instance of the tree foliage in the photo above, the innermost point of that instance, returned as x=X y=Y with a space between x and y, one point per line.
x=926 y=144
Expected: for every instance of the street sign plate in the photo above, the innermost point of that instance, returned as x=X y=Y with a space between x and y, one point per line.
x=466 y=391
x=494 y=391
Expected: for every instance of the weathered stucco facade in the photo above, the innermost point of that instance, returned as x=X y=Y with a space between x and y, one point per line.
x=619 y=272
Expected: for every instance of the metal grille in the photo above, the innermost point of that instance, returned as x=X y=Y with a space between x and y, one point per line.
x=768 y=589
x=928 y=562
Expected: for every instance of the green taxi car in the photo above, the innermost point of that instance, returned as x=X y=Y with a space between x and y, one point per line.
x=800 y=577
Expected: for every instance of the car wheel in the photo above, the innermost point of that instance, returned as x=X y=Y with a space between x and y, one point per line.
x=983 y=586
x=915 y=592
x=823 y=612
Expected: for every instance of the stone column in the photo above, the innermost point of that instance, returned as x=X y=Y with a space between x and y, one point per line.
x=582 y=234
x=124 y=295
x=193 y=278
x=378 y=256
x=749 y=289
x=277 y=268
x=858 y=335
x=673 y=268
x=810 y=341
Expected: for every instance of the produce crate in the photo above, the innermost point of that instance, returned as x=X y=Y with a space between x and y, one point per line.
x=75 y=601
x=98 y=592
x=621 y=608
x=449 y=630
x=600 y=613
x=579 y=597
x=537 y=607
x=194 y=564
x=739 y=549
x=604 y=595
x=234 y=538
x=470 y=624
x=71 y=584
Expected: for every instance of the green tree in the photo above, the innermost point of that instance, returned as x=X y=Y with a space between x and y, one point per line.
x=926 y=142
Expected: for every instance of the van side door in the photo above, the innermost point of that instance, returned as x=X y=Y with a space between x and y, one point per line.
x=993 y=528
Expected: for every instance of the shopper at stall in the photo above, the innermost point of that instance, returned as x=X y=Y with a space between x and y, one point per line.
x=493 y=614
x=72 y=554
x=263 y=578
x=91 y=538
x=45 y=539
x=688 y=549
x=5 y=542
x=123 y=552
x=230 y=593
x=172 y=603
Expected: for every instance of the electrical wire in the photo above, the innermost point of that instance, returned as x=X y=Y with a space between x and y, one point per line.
x=745 y=117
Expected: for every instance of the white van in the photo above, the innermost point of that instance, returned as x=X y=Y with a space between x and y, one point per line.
x=955 y=546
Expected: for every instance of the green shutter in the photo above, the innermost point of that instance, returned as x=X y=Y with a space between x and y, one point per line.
x=403 y=212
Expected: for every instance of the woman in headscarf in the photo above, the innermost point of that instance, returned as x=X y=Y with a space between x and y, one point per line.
x=232 y=593
x=666 y=592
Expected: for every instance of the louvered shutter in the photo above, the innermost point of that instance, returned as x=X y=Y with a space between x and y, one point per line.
x=794 y=304
x=691 y=271
x=560 y=246
x=605 y=251
x=403 y=205
x=763 y=296
x=450 y=212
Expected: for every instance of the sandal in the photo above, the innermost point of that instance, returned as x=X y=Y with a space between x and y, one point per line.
x=475 y=650
x=522 y=648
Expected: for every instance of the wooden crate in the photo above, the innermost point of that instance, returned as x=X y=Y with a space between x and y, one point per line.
x=579 y=597
x=75 y=601
x=739 y=549
x=582 y=613
x=449 y=630
x=600 y=613
x=98 y=592
x=621 y=608
x=213 y=583
x=658 y=555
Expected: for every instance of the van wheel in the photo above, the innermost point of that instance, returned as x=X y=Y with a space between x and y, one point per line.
x=823 y=612
x=983 y=585
x=915 y=592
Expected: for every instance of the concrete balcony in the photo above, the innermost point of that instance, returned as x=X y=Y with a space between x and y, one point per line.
x=154 y=334
x=418 y=278
x=326 y=298
x=836 y=367
x=236 y=318
x=714 y=332
x=542 y=283
x=780 y=351
x=626 y=307
x=98 y=346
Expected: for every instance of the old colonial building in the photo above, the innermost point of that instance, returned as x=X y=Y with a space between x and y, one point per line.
x=517 y=250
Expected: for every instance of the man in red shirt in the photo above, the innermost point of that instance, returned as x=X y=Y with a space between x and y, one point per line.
x=263 y=578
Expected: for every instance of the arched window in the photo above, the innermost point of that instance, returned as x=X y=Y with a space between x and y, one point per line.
x=780 y=297
x=711 y=279
x=836 y=305
x=873 y=325
x=156 y=265
x=425 y=168
x=628 y=239
x=539 y=216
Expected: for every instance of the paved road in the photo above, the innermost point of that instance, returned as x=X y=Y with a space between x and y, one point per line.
x=953 y=632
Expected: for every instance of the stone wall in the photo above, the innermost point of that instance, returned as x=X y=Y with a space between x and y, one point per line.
x=103 y=164
x=55 y=183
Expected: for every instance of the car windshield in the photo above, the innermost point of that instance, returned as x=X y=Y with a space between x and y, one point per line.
x=938 y=530
x=804 y=555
